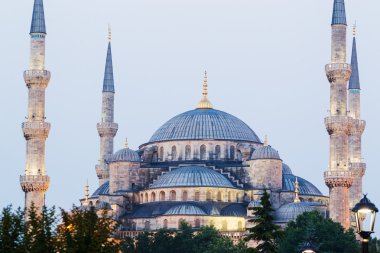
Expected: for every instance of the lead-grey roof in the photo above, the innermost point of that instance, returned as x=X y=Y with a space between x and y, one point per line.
x=38 y=18
x=108 y=82
x=291 y=211
x=185 y=209
x=305 y=187
x=103 y=189
x=234 y=210
x=192 y=176
x=286 y=170
x=354 y=79
x=339 y=13
x=205 y=124
x=125 y=155
x=265 y=152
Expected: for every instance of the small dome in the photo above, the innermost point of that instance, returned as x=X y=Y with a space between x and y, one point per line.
x=291 y=211
x=125 y=155
x=193 y=176
x=286 y=170
x=305 y=187
x=185 y=209
x=265 y=152
x=234 y=210
x=103 y=189
x=254 y=203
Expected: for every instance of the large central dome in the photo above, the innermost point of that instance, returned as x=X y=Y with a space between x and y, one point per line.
x=205 y=124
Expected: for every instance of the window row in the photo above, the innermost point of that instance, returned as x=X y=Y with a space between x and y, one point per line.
x=184 y=196
x=214 y=154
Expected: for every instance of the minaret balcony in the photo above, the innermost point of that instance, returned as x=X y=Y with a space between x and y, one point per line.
x=337 y=124
x=338 y=178
x=338 y=72
x=37 y=78
x=36 y=130
x=107 y=129
x=357 y=126
x=31 y=183
x=358 y=169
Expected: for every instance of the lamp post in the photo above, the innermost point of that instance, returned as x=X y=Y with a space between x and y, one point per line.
x=308 y=248
x=365 y=215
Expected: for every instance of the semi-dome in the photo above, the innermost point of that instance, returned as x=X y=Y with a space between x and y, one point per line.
x=305 y=187
x=205 y=124
x=192 y=176
x=125 y=155
x=234 y=210
x=286 y=170
x=265 y=152
x=103 y=189
x=185 y=209
x=291 y=211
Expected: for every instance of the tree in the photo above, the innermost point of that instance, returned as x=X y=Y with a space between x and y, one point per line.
x=12 y=229
x=264 y=231
x=374 y=245
x=328 y=236
x=82 y=230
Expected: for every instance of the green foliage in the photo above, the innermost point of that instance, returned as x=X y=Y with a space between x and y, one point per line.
x=264 y=231
x=327 y=235
x=374 y=245
x=12 y=231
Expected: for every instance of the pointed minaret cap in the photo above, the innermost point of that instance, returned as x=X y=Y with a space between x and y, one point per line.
x=86 y=194
x=266 y=140
x=205 y=103
x=354 y=79
x=38 y=19
x=339 y=13
x=126 y=143
x=108 y=82
x=296 y=192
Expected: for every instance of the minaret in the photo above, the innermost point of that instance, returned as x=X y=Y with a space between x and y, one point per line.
x=35 y=182
x=338 y=177
x=357 y=167
x=107 y=129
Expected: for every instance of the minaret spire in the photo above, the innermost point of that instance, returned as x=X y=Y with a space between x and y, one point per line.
x=354 y=79
x=296 y=191
x=107 y=128
x=339 y=13
x=35 y=182
x=205 y=103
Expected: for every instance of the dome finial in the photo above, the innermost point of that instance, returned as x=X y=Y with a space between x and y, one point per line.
x=266 y=141
x=109 y=32
x=205 y=103
x=126 y=143
x=354 y=29
x=296 y=191
x=86 y=195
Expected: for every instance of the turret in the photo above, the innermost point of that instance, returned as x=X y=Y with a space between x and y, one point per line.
x=357 y=167
x=35 y=182
x=107 y=128
x=338 y=177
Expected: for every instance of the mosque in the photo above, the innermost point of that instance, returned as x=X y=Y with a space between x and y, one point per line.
x=204 y=166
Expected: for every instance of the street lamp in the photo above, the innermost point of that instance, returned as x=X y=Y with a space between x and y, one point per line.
x=308 y=248
x=365 y=215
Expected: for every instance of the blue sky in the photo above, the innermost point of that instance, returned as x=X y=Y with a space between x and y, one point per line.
x=265 y=61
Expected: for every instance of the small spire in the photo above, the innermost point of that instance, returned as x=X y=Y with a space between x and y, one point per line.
x=354 y=79
x=38 y=18
x=86 y=194
x=205 y=103
x=266 y=140
x=108 y=83
x=354 y=29
x=296 y=192
x=109 y=33
x=126 y=143
x=339 y=13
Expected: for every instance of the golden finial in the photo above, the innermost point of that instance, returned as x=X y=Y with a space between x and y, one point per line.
x=109 y=32
x=354 y=29
x=86 y=195
x=266 y=141
x=296 y=191
x=205 y=103
x=126 y=143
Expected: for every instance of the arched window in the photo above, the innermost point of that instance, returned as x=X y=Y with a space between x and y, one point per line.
x=173 y=196
x=180 y=222
x=197 y=196
x=162 y=196
x=217 y=152
x=224 y=225
x=146 y=197
x=208 y=196
x=153 y=197
x=187 y=152
x=147 y=225
x=174 y=153
x=203 y=152
x=133 y=226
x=232 y=153
x=237 y=197
x=184 y=196
x=229 y=196
x=91 y=204
x=154 y=157
x=219 y=196
x=142 y=198
x=165 y=223
x=161 y=154
x=197 y=223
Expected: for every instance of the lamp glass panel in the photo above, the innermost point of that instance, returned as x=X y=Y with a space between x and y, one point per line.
x=366 y=219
